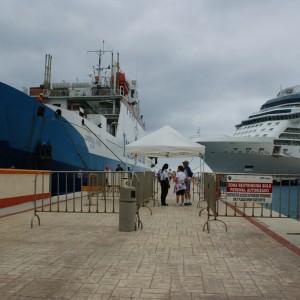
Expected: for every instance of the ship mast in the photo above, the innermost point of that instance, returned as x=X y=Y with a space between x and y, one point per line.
x=100 y=53
x=47 y=75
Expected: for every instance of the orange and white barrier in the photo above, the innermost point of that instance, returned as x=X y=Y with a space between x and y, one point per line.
x=20 y=186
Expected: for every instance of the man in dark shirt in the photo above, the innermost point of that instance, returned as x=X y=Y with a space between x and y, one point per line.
x=189 y=174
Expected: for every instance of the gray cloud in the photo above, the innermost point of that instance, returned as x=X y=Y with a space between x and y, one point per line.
x=200 y=63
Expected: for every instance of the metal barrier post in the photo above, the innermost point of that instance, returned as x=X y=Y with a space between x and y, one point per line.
x=34 y=202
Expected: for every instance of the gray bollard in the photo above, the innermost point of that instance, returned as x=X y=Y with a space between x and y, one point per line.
x=127 y=209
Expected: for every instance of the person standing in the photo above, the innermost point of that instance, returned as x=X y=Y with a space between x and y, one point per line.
x=107 y=177
x=180 y=185
x=164 y=184
x=189 y=174
x=119 y=168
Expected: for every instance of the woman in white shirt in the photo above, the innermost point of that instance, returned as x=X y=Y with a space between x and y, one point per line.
x=180 y=185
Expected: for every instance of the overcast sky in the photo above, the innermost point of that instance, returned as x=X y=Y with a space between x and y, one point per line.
x=202 y=64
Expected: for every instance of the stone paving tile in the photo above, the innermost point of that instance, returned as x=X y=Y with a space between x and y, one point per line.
x=213 y=286
x=126 y=292
x=84 y=256
x=67 y=291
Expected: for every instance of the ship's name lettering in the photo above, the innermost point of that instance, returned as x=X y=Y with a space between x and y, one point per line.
x=89 y=139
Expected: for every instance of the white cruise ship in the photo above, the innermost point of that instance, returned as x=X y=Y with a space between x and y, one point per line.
x=268 y=142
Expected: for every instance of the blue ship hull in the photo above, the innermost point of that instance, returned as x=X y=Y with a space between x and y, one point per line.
x=34 y=136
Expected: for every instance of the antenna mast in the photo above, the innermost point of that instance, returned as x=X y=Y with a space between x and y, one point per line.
x=47 y=75
x=100 y=53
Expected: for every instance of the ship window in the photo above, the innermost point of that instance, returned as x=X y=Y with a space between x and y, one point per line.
x=75 y=106
x=265 y=134
x=57 y=104
x=277 y=123
x=270 y=129
x=248 y=168
x=263 y=129
x=261 y=149
x=269 y=123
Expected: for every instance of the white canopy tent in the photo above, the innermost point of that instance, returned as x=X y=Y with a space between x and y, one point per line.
x=165 y=142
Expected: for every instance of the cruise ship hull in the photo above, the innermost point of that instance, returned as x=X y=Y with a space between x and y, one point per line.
x=225 y=162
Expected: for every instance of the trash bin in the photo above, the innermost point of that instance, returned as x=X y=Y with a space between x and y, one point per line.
x=127 y=209
x=125 y=182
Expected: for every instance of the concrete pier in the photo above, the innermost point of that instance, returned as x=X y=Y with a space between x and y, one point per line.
x=85 y=256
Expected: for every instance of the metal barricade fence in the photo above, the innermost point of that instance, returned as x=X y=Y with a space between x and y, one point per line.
x=280 y=197
x=90 y=192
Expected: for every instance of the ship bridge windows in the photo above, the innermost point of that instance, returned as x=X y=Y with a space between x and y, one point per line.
x=290 y=129
x=268 y=118
x=284 y=101
x=287 y=142
x=292 y=136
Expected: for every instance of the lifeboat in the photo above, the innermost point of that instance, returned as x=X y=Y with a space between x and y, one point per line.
x=122 y=83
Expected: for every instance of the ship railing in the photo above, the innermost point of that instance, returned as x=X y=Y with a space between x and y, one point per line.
x=273 y=196
x=109 y=111
x=91 y=192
